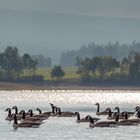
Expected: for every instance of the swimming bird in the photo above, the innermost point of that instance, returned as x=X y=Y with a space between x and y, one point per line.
x=101 y=123
x=80 y=120
x=9 y=116
x=98 y=110
x=110 y=117
x=125 y=122
x=30 y=119
x=44 y=113
x=41 y=115
x=65 y=114
x=24 y=124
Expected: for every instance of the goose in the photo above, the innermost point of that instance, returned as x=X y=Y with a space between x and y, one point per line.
x=135 y=120
x=65 y=114
x=129 y=113
x=41 y=115
x=125 y=122
x=44 y=113
x=80 y=120
x=54 y=110
x=29 y=119
x=118 y=113
x=24 y=124
x=110 y=117
x=19 y=116
x=9 y=116
x=34 y=116
x=101 y=123
x=98 y=110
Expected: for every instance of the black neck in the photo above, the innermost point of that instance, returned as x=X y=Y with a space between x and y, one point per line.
x=53 y=109
x=98 y=108
x=117 y=118
x=78 y=116
x=31 y=113
x=16 y=110
x=40 y=112
x=15 y=119
x=110 y=113
x=9 y=112
x=23 y=114
x=91 y=120
x=118 y=110
x=59 y=111
x=138 y=114
x=126 y=116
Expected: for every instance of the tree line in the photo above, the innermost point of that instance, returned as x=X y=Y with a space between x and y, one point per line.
x=12 y=64
x=105 y=68
x=16 y=67
x=117 y=50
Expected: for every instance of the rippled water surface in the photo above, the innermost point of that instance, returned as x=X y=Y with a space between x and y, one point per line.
x=67 y=128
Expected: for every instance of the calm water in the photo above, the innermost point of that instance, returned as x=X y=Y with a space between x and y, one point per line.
x=66 y=128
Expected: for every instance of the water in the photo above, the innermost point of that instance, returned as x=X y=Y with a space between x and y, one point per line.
x=67 y=128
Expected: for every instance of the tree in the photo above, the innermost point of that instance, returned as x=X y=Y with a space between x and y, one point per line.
x=11 y=63
x=134 y=69
x=57 y=72
x=29 y=64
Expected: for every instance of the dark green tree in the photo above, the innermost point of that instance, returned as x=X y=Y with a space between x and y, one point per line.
x=57 y=72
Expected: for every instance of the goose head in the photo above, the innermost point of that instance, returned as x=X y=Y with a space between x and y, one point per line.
x=16 y=109
x=40 y=112
x=97 y=104
x=118 y=109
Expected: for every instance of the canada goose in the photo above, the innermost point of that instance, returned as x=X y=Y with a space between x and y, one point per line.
x=129 y=112
x=65 y=114
x=29 y=119
x=135 y=120
x=54 y=110
x=24 y=124
x=124 y=122
x=98 y=110
x=110 y=117
x=44 y=113
x=40 y=115
x=9 y=116
x=32 y=115
x=102 y=123
x=80 y=120
x=118 y=113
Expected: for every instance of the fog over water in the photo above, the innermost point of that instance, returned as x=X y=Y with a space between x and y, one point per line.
x=48 y=26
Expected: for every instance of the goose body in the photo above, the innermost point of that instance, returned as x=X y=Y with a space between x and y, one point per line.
x=125 y=122
x=30 y=119
x=102 y=123
x=41 y=115
x=25 y=124
x=80 y=120
x=65 y=114
x=98 y=110
x=9 y=116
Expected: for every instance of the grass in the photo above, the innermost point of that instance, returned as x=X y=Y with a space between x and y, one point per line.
x=70 y=73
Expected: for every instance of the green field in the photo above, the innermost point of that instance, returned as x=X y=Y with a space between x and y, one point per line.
x=70 y=73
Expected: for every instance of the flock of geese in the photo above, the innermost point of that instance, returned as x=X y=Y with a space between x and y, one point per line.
x=114 y=118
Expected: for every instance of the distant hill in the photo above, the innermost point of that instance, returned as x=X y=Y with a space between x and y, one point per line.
x=51 y=34
x=116 y=50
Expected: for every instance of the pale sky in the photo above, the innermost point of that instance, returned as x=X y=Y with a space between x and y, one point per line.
x=103 y=8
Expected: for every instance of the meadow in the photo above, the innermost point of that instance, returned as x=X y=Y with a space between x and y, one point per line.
x=70 y=73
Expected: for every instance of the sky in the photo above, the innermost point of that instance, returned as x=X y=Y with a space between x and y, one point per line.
x=50 y=26
x=103 y=8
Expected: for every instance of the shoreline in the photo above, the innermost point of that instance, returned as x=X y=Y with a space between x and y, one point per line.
x=65 y=86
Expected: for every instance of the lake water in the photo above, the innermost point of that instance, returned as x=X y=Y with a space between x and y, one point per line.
x=67 y=128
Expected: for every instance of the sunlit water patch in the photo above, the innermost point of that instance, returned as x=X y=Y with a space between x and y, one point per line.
x=67 y=128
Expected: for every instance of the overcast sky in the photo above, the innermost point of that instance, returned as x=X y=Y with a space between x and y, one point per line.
x=105 y=8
